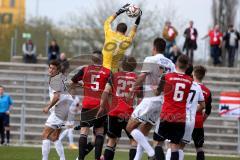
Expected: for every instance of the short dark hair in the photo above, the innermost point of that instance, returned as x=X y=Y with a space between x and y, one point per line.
x=97 y=56
x=129 y=64
x=189 y=70
x=1 y=86
x=199 y=72
x=159 y=44
x=182 y=62
x=55 y=63
x=122 y=27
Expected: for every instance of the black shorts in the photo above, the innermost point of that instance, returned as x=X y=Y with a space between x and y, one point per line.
x=5 y=119
x=88 y=119
x=115 y=127
x=173 y=131
x=198 y=137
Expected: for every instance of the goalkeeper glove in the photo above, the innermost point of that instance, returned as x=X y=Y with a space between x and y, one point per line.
x=123 y=9
x=137 y=22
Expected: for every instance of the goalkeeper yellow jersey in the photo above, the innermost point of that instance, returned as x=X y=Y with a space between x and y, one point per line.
x=115 y=45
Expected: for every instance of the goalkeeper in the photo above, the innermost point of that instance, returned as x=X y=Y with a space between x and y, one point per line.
x=117 y=42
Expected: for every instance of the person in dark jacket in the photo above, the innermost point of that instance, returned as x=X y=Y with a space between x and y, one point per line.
x=174 y=54
x=190 y=43
x=231 y=38
x=64 y=63
x=53 y=51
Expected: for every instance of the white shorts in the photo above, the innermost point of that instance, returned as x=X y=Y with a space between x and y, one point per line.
x=189 y=126
x=54 y=122
x=148 y=111
x=69 y=123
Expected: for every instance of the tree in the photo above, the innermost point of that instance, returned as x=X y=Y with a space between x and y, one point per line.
x=87 y=28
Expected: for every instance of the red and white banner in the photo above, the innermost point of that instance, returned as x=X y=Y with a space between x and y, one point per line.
x=229 y=104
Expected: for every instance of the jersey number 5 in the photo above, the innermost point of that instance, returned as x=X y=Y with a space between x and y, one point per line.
x=94 y=82
x=179 y=92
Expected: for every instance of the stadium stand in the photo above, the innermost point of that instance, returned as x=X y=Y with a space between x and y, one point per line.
x=27 y=84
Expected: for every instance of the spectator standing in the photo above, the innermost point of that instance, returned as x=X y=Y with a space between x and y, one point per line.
x=231 y=38
x=174 y=54
x=190 y=43
x=215 y=44
x=53 y=51
x=5 y=107
x=169 y=34
x=29 y=52
x=64 y=63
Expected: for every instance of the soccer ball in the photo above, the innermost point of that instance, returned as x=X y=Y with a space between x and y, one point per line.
x=133 y=11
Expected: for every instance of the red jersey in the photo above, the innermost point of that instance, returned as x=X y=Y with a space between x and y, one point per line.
x=94 y=79
x=176 y=89
x=215 y=37
x=121 y=83
x=208 y=100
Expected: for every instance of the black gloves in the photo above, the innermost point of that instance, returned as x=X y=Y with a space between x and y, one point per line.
x=137 y=22
x=123 y=9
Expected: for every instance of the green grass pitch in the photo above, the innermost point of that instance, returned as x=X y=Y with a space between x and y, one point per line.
x=28 y=153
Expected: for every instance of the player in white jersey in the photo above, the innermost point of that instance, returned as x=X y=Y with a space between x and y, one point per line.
x=58 y=106
x=74 y=110
x=195 y=102
x=147 y=112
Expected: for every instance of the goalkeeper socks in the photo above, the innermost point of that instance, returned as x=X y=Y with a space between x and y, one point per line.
x=59 y=149
x=109 y=153
x=45 y=149
x=200 y=155
x=132 y=153
x=140 y=138
x=89 y=148
x=159 y=154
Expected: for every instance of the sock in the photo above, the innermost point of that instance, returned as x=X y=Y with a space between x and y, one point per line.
x=59 y=149
x=132 y=153
x=81 y=146
x=45 y=149
x=2 y=134
x=63 y=134
x=174 y=156
x=70 y=135
x=8 y=136
x=159 y=154
x=89 y=148
x=181 y=154
x=200 y=155
x=168 y=154
x=140 y=138
x=139 y=152
x=98 y=146
x=109 y=153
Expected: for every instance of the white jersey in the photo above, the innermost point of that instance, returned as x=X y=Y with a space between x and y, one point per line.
x=61 y=108
x=195 y=96
x=152 y=65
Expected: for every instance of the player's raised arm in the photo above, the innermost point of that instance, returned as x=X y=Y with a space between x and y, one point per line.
x=135 y=26
x=108 y=22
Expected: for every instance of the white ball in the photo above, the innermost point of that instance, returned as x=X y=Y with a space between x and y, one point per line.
x=133 y=11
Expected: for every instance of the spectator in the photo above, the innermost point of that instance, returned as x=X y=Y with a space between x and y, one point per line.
x=174 y=54
x=190 y=43
x=53 y=51
x=215 y=44
x=231 y=38
x=5 y=107
x=169 y=34
x=29 y=52
x=64 y=63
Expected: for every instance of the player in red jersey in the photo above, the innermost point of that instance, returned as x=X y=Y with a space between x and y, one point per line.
x=175 y=88
x=94 y=78
x=198 y=132
x=121 y=107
